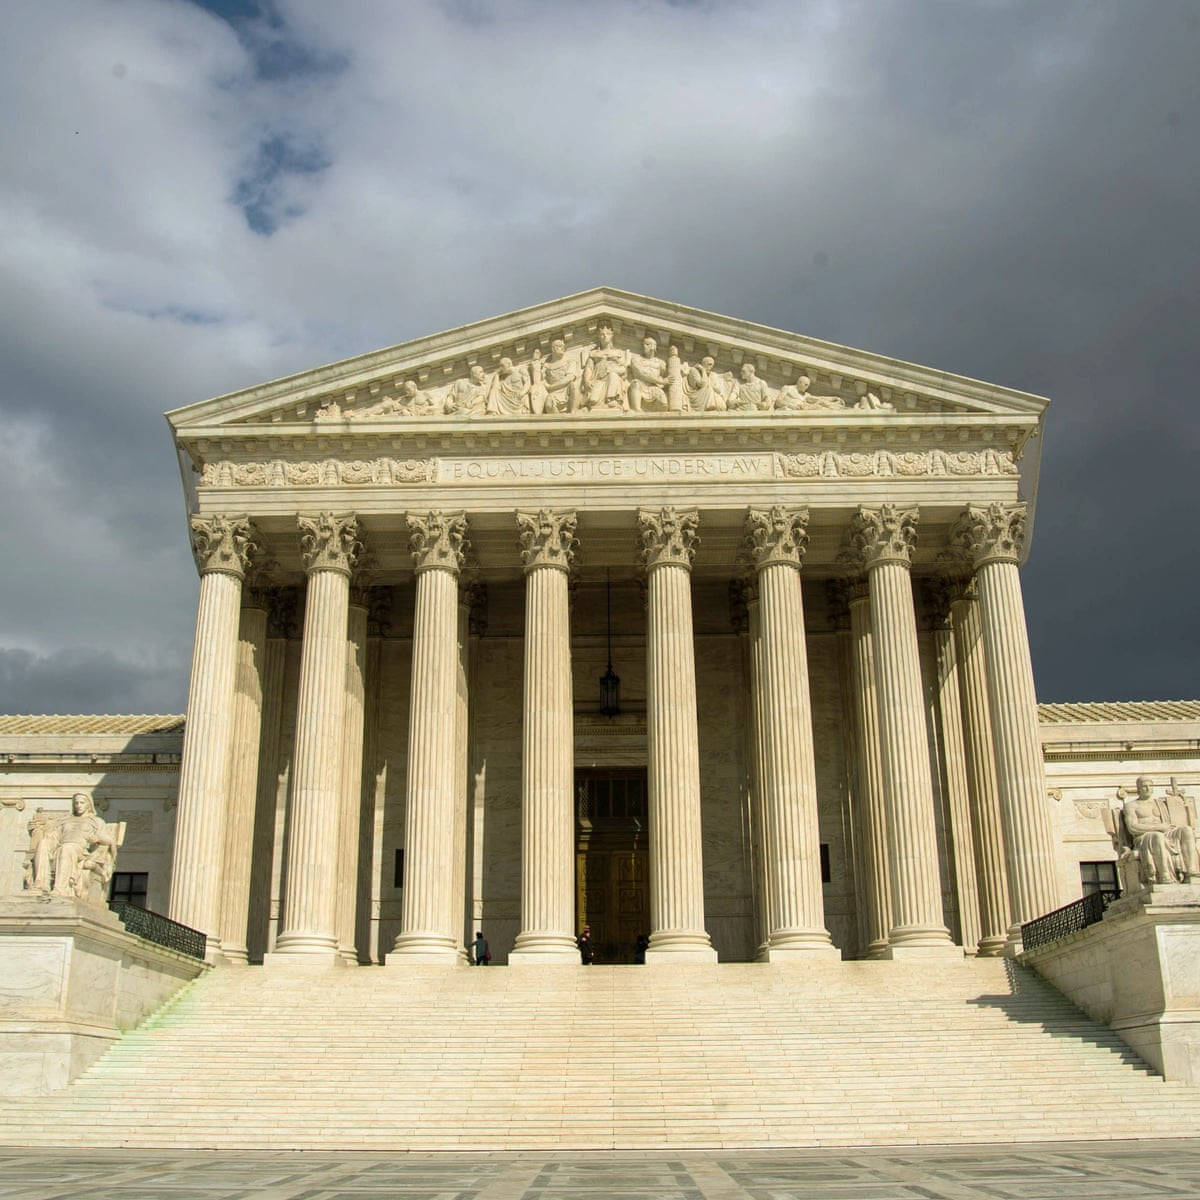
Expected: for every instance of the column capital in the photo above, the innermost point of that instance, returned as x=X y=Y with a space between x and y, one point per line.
x=224 y=544
x=883 y=533
x=939 y=592
x=282 y=603
x=329 y=542
x=668 y=536
x=475 y=597
x=743 y=592
x=259 y=582
x=776 y=535
x=366 y=571
x=438 y=540
x=990 y=533
x=547 y=538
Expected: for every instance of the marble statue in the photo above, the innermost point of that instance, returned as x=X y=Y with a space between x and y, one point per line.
x=468 y=397
x=749 y=394
x=554 y=380
x=72 y=854
x=605 y=386
x=1162 y=834
x=704 y=388
x=674 y=381
x=509 y=394
x=796 y=398
x=648 y=386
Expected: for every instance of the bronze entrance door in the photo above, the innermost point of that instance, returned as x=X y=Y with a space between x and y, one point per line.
x=612 y=869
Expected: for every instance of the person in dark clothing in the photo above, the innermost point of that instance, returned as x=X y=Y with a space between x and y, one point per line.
x=481 y=955
x=584 y=942
x=640 y=948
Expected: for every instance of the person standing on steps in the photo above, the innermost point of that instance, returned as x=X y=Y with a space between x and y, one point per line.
x=480 y=954
x=584 y=942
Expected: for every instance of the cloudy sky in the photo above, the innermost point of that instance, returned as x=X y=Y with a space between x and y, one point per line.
x=196 y=197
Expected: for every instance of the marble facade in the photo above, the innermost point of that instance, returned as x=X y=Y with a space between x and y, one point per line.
x=810 y=555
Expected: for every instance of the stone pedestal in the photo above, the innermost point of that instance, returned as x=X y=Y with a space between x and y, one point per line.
x=71 y=979
x=1138 y=971
x=429 y=924
x=668 y=539
x=547 y=748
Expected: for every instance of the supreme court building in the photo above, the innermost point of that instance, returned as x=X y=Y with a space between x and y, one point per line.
x=612 y=612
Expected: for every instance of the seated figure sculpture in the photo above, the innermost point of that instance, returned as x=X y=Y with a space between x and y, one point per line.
x=72 y=854
x=1162 y=835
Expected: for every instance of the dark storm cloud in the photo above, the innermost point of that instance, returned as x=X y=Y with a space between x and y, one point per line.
x=1004 y=190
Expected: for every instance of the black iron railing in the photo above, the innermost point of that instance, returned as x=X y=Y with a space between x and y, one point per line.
x=1071 y=918
x=154 y=927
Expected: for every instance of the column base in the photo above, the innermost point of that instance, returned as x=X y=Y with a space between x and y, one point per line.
x=794 y=953
x=544 y=949
x=878 y=948
x=428 y=949
x=276 y=959
x=234 y=956
x=991 y=947
x=675 y=946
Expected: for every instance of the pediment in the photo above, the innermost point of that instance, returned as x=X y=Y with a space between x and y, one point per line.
x=602 y=353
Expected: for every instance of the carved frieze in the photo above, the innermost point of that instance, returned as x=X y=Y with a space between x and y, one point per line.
x=668 y=536
x=329 y=542
x=438 y=540
x=883 y=533
x=839 y=464
x=776 y=535
x=610 y=368
x=225 y=544
x=329 y=472
x=547 y=538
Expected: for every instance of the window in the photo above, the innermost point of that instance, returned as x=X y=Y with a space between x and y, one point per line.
x=825 y=873
x=398 y=869
x=1098 y=877
x=129 y=887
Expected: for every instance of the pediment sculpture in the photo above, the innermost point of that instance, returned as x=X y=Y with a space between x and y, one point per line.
x=602 y=379
x=1154 y=836
x=72 y=854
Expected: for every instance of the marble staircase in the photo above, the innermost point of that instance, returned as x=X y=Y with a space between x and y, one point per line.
x=730 y=1055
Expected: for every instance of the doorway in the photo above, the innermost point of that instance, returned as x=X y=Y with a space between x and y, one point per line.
x=612 y=866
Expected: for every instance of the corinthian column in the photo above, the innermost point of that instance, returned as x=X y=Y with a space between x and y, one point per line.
x=223 y=547
x=882 y=538
x=350 y=805
x=990 y=873
x=873 y=811
x=668 y=545
x=429 y=924
x=775 y=543
x=993 y=536
x=329 y=546
x=243 y=776
x=547 y=752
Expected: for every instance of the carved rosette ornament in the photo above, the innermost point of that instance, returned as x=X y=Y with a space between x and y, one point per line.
x=883 y=533
x=668 y=536
x=776 y=535
x=329 y=542
x=547 y=539
x=225 y=544
x=438 y=540
x=990 y=533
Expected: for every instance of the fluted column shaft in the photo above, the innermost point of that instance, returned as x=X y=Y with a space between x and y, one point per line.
x=776 y=541
x=309 y=922
x=547 y=750
x=994 y=535
x=873 y=829
x=350 y=806
x=990 y=873
x=429 y=929
x=222 y=547
x=243 y=780
x=676 y=851
x=949 y=708
x=884 y=537
x=756 y=746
